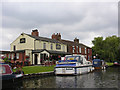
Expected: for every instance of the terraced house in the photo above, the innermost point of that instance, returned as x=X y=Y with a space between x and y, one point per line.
x=74 y=47
x=36 y=50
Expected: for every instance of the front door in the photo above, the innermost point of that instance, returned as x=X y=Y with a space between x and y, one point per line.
x=36 y=59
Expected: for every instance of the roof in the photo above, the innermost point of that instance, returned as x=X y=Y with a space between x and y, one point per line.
x=45 y=39
x=3 y=52
x=73 y=43
x=56 y=41
x=50 y=51
x=17 y=51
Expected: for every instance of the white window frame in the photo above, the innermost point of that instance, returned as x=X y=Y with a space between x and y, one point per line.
x=51 y=46
x=44 y=45
x=73 y=49
x=9 y=55
x=5 y=55
x=17 y=56
x=85 y=51
x=88 y=51
x=63 y=48
x=88 y=58
x=79 y=49
x=12 y=57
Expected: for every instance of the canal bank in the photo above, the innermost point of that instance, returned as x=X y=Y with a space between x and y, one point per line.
x=35 y=75
x=41 y=71
x=108 y=78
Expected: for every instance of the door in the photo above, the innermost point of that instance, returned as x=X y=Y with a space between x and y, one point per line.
x=36 y=59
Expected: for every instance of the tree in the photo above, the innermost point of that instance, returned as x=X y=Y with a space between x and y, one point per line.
x=108 y=49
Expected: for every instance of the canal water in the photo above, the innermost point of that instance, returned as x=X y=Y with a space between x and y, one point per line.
x=108 y=78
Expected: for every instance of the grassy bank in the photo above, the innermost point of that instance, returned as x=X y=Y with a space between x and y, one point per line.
x=36 y=69
x=109 y=63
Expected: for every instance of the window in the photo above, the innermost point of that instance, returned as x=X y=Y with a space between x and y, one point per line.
x=17 y=56
x=2 y=70
x=88 y=58
x=44 y=45
x=73 y=47
x=14 y=47
x=51 y=46
x=22 y=40
x=79 y=49
x=95 y=62
x=81 y=60
x=5 y=55
x=8 y=55
x=58 y=46
x=63 y=48
x=12 y=56
x=85 y=50
x=88 y=51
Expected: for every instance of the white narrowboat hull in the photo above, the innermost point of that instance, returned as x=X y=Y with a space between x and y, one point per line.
x=73 y=70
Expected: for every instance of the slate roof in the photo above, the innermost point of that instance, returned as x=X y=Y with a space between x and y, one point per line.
x=45 y=39
x=56 y=41
x=72 y=43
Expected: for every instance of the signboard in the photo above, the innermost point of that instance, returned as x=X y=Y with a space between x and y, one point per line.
x=22 y=40
x=58 y=46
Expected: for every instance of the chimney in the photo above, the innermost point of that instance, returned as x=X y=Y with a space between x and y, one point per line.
x=76 y=40
x=53 y=36
x=56 y=36
x=59 y=36
x=35 y=32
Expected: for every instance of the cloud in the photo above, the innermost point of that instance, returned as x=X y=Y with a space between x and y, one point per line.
x=84 y=20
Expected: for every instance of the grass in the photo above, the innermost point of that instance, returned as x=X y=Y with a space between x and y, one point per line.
x=36 y=69
x=109 y=63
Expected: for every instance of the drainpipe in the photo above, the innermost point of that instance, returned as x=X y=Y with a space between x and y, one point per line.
x=34 y=44
x=34 y=49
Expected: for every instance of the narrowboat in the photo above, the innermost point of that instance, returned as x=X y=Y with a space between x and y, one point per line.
x=8 y=76
x=116 y=63
x=99 y=64
x=73 y=65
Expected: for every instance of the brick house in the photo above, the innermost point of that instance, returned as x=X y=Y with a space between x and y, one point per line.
x=74 y=47
x=35 y=49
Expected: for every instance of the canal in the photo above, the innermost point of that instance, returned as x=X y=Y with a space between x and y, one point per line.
x=108 y=78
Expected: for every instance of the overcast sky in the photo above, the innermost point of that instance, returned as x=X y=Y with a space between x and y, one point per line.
x=84 y=20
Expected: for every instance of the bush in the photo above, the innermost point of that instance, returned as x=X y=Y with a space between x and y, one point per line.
x=6 y=60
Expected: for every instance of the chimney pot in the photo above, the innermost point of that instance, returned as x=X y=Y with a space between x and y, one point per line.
x=35 y=32
x=76 y=40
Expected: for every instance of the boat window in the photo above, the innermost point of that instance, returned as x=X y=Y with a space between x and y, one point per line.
x=95 y=62
x=81 y=60
x=2 y=70
x=77 y=58
x=73 y=58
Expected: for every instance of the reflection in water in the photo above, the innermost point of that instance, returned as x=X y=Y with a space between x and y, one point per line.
x=97 y=79
x=45 y=82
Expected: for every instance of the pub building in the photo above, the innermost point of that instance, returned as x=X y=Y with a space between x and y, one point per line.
x=36 y=50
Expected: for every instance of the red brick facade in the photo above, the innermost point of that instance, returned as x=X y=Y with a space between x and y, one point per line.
x=20 y=56
x=76 y=45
